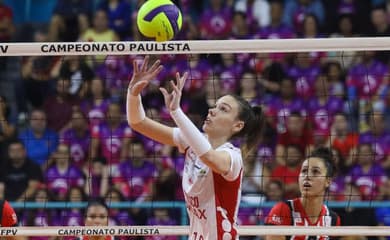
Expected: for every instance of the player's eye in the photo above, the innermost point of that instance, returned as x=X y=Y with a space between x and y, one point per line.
x=223 y=109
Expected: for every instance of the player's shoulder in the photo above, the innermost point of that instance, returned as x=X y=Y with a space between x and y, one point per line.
x=229 y=147
x=280 y=214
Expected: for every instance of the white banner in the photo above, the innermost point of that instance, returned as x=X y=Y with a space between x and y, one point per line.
x=192 y=47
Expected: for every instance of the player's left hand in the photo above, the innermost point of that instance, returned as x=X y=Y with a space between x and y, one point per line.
x=172 y=100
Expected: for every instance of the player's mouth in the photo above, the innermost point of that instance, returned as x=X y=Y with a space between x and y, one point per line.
x=306 y=185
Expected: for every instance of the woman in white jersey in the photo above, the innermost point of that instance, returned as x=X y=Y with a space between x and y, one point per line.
x=213 y=167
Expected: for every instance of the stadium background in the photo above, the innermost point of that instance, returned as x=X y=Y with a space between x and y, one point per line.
x=61 y=97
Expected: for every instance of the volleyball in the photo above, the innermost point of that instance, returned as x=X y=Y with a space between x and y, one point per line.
x=160 y=20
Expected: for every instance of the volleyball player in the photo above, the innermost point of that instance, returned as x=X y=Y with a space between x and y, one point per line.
x=213 y=167
x=96 y=214
x=8 y=216
x=308 y=210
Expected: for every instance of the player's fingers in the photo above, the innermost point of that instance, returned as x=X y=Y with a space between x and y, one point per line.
x=155 y=65
x=145 y=64
x=157 y=70
x=174 y=86
x=165 y=95
x=135 y=67
x=182 y=80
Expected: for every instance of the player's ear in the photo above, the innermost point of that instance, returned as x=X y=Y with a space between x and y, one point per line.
x=328 y=181
x=238 y=126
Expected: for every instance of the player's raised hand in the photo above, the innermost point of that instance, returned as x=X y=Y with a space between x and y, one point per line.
x=143 y=75
x=172 y=99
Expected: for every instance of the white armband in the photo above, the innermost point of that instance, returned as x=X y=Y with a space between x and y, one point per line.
x=197 y=141
x=135 y=111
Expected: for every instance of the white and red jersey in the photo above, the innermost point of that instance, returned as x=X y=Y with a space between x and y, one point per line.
x=212 y=199
x=293 y=213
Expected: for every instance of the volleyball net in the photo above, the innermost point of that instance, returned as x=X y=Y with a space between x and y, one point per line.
x=330 y=92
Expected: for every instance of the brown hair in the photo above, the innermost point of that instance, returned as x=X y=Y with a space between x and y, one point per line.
x=253 y=124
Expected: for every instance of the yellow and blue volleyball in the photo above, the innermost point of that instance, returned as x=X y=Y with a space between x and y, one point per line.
x=160 y=20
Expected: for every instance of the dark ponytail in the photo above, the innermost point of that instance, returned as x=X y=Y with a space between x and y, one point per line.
x=326 y=155
x=253 y=120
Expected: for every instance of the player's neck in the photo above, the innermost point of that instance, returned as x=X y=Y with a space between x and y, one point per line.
x=312 y=206
x=217 y=141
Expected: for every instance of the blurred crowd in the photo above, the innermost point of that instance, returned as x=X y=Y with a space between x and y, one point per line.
x=64 y=135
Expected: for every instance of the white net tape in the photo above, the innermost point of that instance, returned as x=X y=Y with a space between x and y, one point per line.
x=184 y=230
x=192 y=47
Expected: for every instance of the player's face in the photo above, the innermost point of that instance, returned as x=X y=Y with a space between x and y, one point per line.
x=96 y=216
x=313 y=180
x=222 y=119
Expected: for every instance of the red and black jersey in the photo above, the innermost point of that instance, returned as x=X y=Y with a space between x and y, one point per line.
x=292 y=212
x=8 y=215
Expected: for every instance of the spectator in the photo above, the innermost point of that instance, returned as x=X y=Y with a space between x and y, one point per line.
x=274 y=192
x=281 y=106
x=39 y=140
x=240 y=27
x=310 y=27
x=80 y=74
x=7 y=125
x=7 y=27
x=305 y=71
x=288 y=173
x=62 y=174
x=112 y=137
x=115 y=72
x=297 y=134
x=351 y=216
x=19 y=175
x=343 y=140
x=229 y=74
x=379 y=138
x=73 y=216
x=296 y=10
x=117 y=217
x=321 y=109
x=78 y=138
x=256 y=176
x=38 y=74
x=249 y=88
x=99 y=32
x=276 y=29
x=59 y=107
x=366 y=174
x=380 y=28
x=257 y=12
x=96 y=103
x=41 y=216
x=69 y=20
x=367 y=68
x=142 y=172
x=119 y=15
x=161 y=217
x=216 y=21
x=383 y=213
x=336 y=79
x=97 y=177
x=346 y=27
